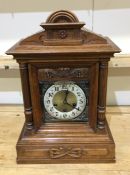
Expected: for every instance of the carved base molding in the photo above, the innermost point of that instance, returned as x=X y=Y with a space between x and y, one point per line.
x=90 y=154
x=79 y=148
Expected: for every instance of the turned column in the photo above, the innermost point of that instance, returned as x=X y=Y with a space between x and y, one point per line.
x=26 y=95
x=103 y=72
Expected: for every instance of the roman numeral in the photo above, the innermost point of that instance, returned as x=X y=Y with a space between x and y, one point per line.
x=81 y=101
x=64 y=86
x=50 y=94
x=64 y=115
x=56 y=114
x=56 y=88
x=73 y=113
x=79 y=94
x=72 y=88
x=48 y=101
x=51 y=109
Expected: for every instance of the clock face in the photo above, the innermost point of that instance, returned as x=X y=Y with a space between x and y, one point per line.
x=64 y=100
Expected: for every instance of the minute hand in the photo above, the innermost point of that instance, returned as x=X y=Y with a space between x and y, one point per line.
x=72 y=106
x=66 y=94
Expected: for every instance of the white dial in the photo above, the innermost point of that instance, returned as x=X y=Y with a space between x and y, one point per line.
x=64 y=100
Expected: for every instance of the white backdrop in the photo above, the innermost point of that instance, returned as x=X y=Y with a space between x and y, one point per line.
x=18 y=19
x=113 y=23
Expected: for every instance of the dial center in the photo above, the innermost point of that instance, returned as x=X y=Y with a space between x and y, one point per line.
x=64 y=101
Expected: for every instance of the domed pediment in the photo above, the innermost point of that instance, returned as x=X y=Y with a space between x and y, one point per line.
x=62 y=16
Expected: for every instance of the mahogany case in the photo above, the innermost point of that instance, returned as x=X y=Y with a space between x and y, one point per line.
x=64 y=50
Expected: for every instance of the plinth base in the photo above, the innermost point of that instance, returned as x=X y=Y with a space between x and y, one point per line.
x=65 y=143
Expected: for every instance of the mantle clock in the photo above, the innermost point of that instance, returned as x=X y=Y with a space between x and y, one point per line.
x=64 y=81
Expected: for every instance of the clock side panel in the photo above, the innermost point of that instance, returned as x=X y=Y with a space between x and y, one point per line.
x=93 y=96
x=35 y=97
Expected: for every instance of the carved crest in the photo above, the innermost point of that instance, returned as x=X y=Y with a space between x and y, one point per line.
x=61 y=73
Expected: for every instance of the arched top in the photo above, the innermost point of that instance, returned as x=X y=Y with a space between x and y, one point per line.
x=62 y=16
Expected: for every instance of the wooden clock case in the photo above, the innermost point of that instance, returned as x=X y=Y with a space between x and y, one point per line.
x=64 y=50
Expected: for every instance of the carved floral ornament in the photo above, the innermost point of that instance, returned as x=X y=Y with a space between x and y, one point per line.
x=76 y=73
x=63 y=34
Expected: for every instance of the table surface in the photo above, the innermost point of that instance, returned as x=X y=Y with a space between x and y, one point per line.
x=11 y=122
